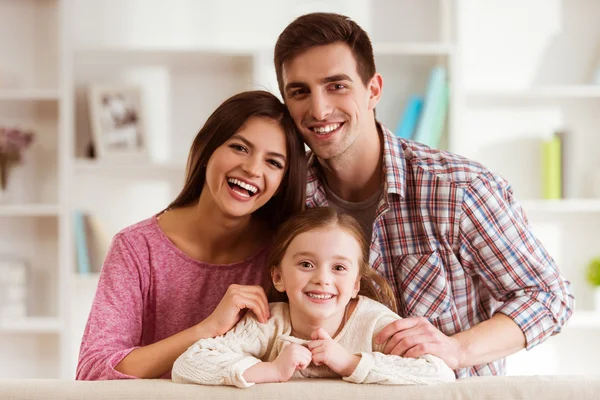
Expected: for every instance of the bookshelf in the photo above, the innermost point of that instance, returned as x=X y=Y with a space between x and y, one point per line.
x=189 y=56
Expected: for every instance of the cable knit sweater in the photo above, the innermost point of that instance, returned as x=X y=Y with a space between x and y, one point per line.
x=223 y=360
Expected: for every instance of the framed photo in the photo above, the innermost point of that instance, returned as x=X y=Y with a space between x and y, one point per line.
x=117 y=121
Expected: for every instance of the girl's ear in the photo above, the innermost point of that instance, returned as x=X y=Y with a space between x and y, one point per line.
x=277 y=279
x=356 y=288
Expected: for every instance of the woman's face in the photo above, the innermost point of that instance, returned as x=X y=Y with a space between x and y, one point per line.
x=244 y=173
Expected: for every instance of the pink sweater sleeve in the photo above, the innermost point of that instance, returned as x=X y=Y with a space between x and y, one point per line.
x=114 y=327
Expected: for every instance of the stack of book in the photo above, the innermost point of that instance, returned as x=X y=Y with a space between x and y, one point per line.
x=424 y=117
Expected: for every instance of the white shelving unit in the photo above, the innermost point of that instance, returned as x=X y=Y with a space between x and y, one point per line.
x=189 y=56
x=521 y=84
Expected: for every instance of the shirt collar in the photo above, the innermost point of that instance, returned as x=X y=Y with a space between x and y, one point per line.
x=394 y=171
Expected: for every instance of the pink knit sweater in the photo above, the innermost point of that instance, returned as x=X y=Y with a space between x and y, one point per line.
x=150 y=290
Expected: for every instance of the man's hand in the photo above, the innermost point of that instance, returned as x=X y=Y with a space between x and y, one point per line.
x=291 y=358
x=416 y=336
x=326 y=351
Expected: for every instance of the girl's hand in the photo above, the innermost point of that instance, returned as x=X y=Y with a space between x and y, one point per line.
x=292 y=358
x=327 y=351
x=234 y=304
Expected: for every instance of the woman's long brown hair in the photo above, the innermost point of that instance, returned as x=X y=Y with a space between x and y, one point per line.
x=372 y=284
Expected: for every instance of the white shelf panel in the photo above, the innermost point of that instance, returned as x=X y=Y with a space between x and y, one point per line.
x=545 y=92
x=32 y=325
x=29 y=95
x=562 y=206
x=30 y=210
x=584 y=319
x=416 y=49
x=149 y=168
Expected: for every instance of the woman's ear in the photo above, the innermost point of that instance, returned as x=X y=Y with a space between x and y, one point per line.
x=277 y=279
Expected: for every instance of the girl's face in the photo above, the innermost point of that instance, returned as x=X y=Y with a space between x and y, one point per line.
x=319 y=273
x=245 y=172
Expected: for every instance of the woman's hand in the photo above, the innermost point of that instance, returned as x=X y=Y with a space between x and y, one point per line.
x=233 y=305
x=292 y=358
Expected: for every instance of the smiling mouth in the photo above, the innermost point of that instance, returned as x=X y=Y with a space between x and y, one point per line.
x=242 y=188
x=327 y=129
x=320 y=296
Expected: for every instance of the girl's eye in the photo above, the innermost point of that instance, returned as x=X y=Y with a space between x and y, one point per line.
x=276 y=164
x=306 y=264
x=238 y=147
x=339 y=267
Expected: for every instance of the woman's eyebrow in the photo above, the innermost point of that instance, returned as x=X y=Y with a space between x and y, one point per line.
x=251 y=145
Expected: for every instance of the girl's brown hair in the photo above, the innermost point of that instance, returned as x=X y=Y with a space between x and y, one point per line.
x=223 y=123
x=372 y=284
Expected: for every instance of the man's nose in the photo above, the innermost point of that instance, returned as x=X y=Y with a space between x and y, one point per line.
x=320 y=107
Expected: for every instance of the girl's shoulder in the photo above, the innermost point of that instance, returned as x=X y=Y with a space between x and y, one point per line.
x=372 y=313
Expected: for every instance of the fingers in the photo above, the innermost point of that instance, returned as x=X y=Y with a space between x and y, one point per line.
x=394 y=327
x=409 y=343
x=252 y=297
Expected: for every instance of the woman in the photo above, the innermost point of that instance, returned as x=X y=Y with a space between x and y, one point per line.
x=190 y=272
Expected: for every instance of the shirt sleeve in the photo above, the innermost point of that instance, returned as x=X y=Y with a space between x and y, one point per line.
x=387 y=369
x=496 y=244
x=376 y=367
x=114 y=326
x=223 y=360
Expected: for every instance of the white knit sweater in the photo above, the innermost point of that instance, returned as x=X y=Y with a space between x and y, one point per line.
x=223 y=360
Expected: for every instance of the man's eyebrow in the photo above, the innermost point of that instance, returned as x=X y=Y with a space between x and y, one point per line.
x=336 y=78
x=251 y=145
x=328 y=79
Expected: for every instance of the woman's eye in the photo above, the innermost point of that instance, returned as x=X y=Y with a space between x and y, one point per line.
x=238 y=147
x=276 y=164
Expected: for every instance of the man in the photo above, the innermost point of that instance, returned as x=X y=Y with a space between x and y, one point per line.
x=474 y=282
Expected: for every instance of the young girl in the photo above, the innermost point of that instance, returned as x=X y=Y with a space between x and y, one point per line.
x=189 y=272
x=326 y=327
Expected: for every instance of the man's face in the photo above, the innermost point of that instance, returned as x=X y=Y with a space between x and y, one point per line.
x=330 y=104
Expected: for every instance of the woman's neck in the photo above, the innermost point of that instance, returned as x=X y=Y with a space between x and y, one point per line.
x=208 y=235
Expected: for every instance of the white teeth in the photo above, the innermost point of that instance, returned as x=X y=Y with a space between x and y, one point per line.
x=319 y=296
x=326 y=129
x=244 y=185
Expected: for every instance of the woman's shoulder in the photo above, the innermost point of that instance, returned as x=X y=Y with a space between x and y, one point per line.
x=143 y=233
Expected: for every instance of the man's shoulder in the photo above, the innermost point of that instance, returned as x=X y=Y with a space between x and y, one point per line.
x=443 y=165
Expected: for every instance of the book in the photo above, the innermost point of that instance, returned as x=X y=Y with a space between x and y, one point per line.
x=410 y=117
x=81 y=243
x=436 y=100
x=551 y=168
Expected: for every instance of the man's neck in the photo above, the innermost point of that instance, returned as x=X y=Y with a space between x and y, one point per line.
x=356 y=175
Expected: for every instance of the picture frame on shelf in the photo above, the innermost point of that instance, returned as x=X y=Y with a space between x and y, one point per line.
x=13 y=288
x=117 y=121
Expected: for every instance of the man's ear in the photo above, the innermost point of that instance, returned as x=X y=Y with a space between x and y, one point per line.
x=277 y=279
x=375 y=88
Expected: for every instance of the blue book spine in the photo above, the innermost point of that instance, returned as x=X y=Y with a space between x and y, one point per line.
x=412 y=112
x=83 y=258
x=434 y=100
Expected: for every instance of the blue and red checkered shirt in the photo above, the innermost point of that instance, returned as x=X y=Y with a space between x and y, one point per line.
x=457 y=248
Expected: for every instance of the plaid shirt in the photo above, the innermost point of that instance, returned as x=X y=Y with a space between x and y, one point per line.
x=457 y=248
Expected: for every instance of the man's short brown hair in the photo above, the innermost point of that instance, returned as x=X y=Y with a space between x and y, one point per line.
x=319 y=29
